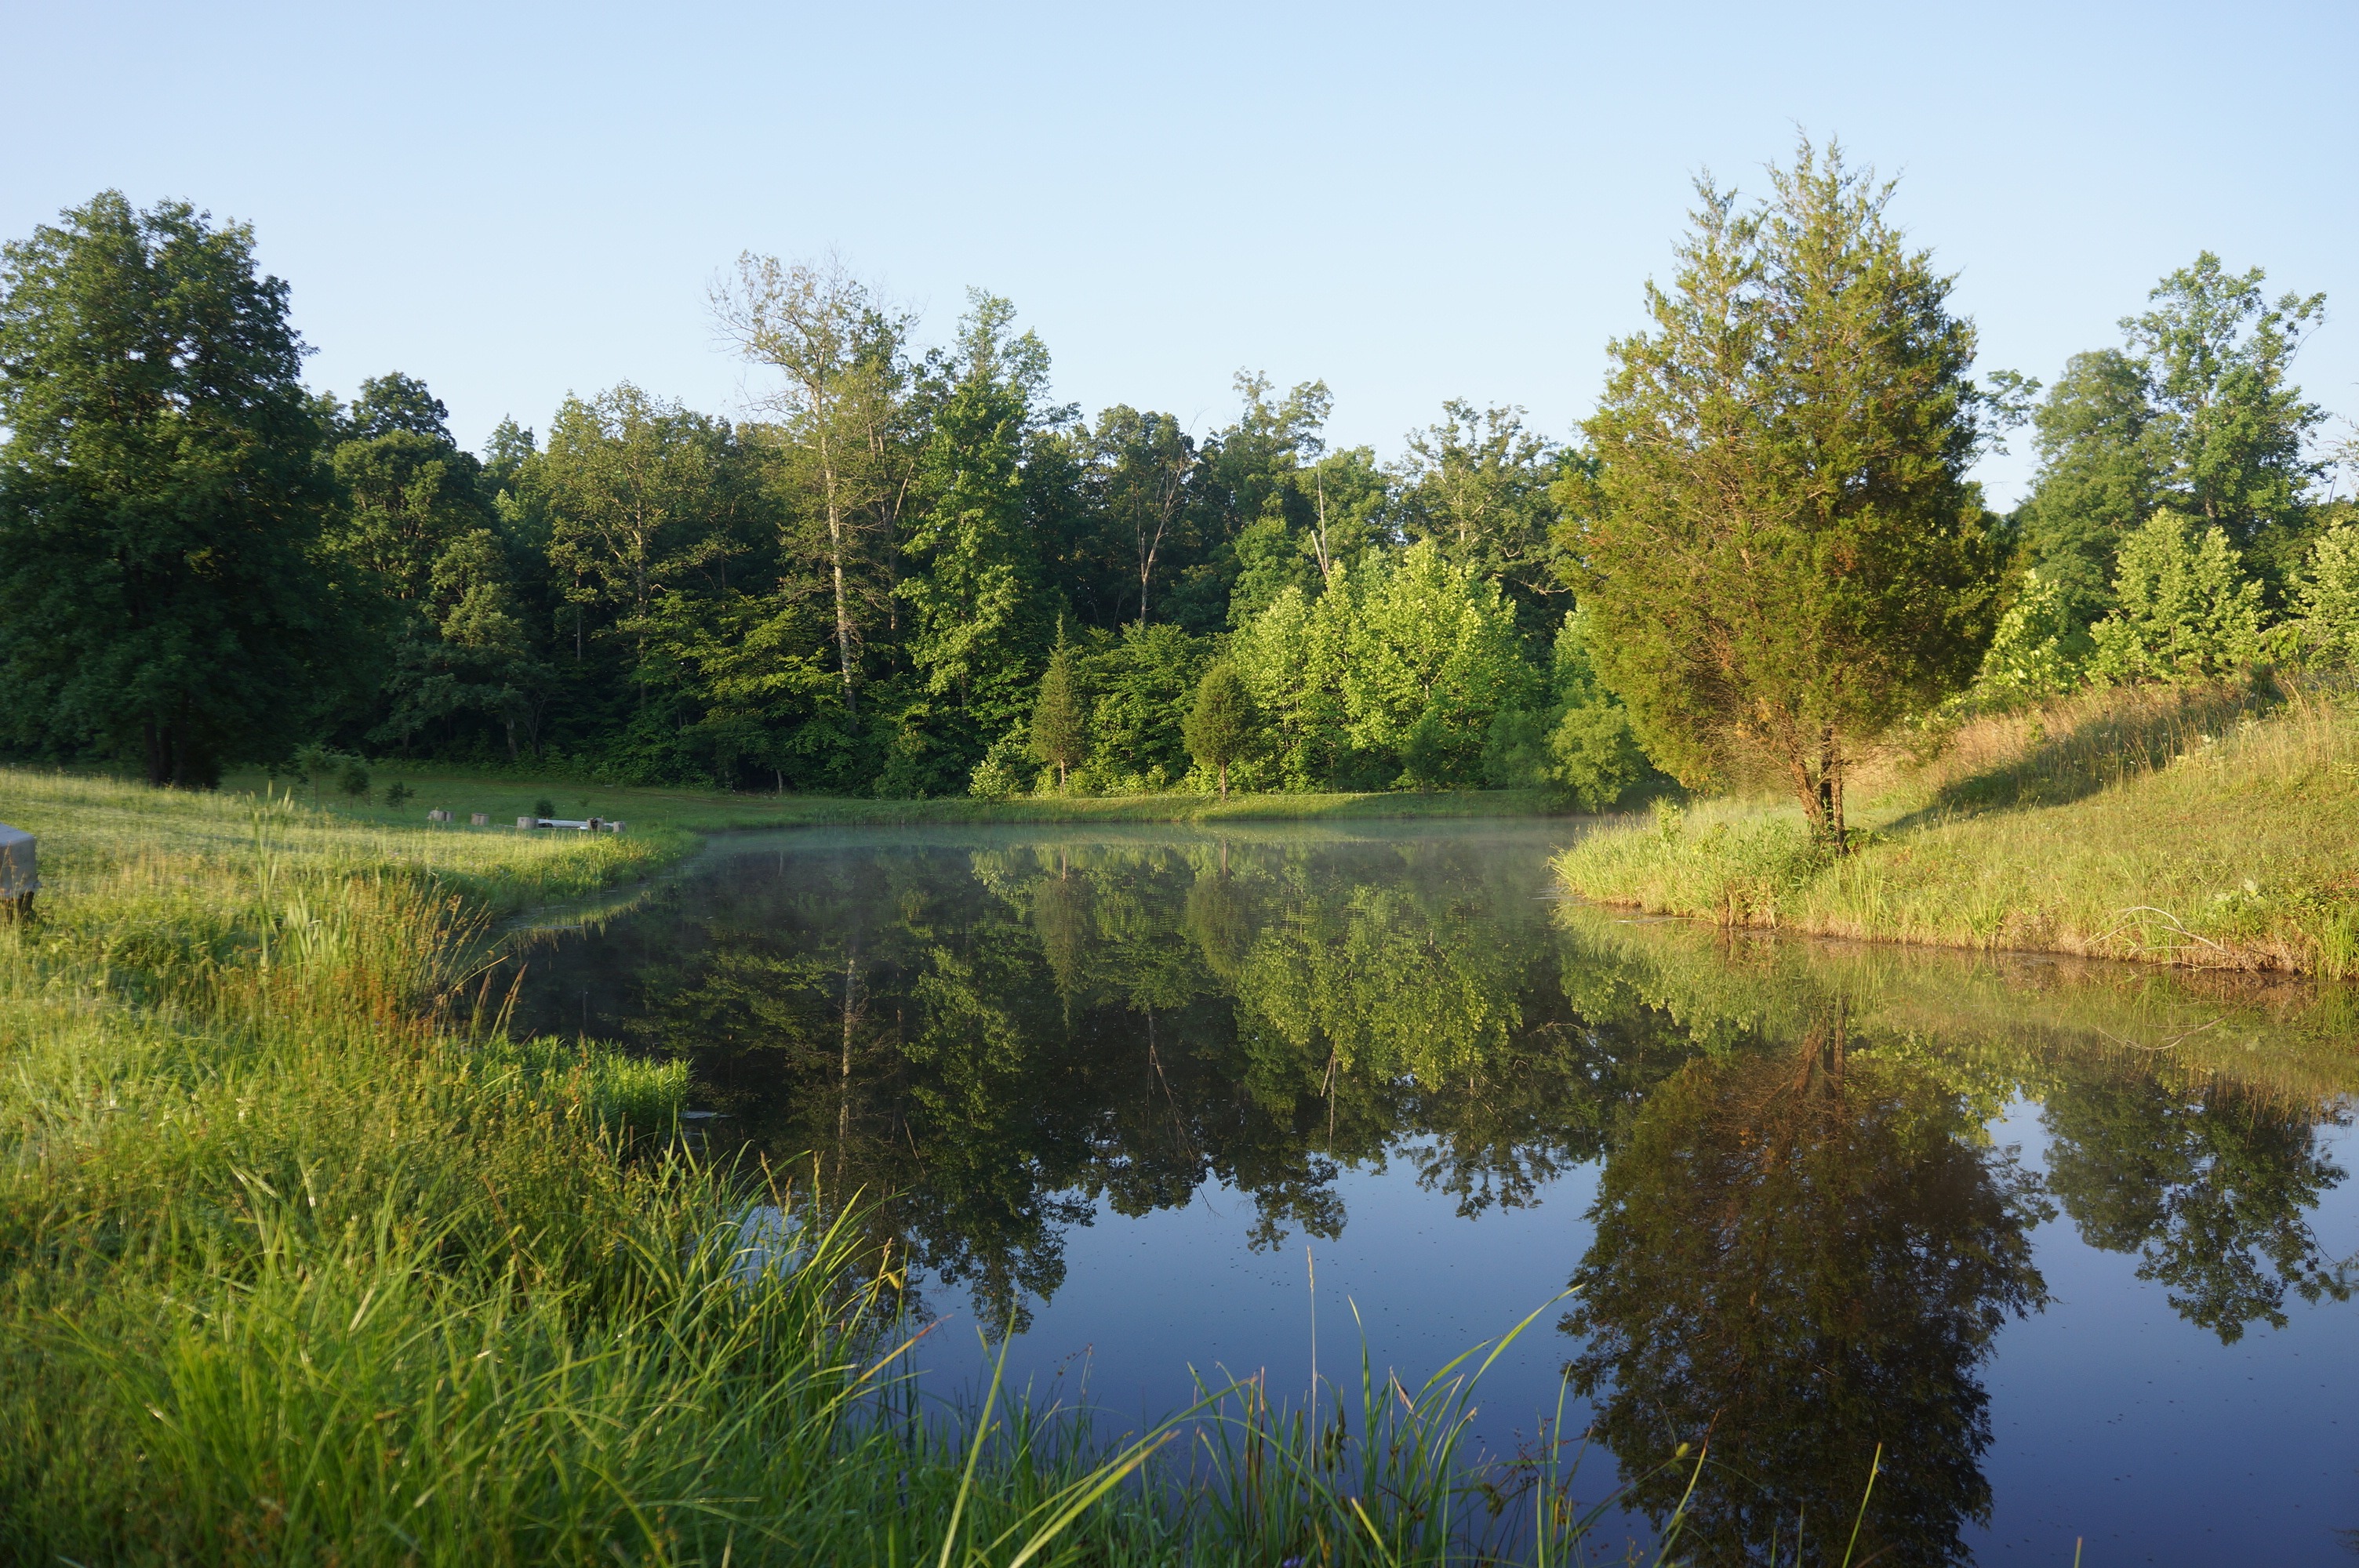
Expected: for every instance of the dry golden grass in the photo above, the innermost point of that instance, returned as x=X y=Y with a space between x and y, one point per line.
x=2217 y=828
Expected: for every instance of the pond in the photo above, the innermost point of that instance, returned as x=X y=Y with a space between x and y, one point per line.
x=2071 y=1245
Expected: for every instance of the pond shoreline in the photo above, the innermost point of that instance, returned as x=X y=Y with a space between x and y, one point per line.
x=2208 y=829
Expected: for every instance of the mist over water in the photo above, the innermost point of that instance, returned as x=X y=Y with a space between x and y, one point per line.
x=2068 y=1245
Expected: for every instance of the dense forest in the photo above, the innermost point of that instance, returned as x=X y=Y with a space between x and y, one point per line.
x=909 y=571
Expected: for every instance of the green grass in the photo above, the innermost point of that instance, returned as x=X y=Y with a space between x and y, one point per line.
x=506 y=799
x=304 y=1262
x=2212 y=828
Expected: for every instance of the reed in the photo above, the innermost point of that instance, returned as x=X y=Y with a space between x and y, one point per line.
x=303 y=1259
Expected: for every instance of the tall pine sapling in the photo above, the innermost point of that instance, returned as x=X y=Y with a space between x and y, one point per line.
x=1060 y=721
x=1220 y=726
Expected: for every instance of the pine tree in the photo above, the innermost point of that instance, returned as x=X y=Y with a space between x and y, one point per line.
x=1220 y=726
x=1060 y=722
x=1782 y=551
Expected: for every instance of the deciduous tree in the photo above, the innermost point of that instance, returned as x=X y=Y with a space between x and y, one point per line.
x=164 y=593
x=2183 y=608
x=2196 y=411
x=844 y=413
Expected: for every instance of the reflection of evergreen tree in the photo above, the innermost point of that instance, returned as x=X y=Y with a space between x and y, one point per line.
x=1799 y=1256
x=1059 y=914
x=1220 y=918
x=2211 y=1188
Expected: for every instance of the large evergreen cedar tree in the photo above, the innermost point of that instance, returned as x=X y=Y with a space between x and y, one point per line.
x=164 y=591
x=1781 y=552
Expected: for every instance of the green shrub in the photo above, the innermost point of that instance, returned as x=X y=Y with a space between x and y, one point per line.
x=2184 y=611
x=2040 y=651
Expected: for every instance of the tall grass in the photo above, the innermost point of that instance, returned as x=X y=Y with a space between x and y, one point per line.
x=2208 y=828
x=304 y=1260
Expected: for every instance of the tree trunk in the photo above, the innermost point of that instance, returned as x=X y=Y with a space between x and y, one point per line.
x=1225 y=781
x=1817 y=775
x=1830 y=801
x=1818 y=781
x=835 y=564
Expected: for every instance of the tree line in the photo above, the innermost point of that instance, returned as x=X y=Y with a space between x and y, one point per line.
x=906 y=569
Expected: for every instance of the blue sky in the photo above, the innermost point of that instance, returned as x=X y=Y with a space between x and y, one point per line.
x=1412 y=202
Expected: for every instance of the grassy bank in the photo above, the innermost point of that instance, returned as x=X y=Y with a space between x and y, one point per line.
x=504 y=800
x=2213 y=828
x=303 y=1260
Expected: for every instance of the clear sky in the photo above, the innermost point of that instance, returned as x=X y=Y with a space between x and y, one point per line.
x=1413 y=203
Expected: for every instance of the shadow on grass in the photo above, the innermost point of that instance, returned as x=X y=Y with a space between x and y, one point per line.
x=2061 y=755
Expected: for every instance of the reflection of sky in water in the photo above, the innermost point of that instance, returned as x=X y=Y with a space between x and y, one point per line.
x=2115 y=1420
x=2111 y=1416
x=2118 y=1420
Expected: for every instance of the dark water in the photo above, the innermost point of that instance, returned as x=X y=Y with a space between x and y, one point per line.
x=2071 y=1243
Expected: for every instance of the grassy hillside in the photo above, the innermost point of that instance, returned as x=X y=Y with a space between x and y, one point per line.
x=304 y=1262
x=2216 y=828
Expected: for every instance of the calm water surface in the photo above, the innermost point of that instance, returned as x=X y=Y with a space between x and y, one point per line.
x=2072 y=1243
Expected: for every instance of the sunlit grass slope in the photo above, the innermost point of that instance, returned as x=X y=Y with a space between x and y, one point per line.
x=2216 y=828
x=304 y=1262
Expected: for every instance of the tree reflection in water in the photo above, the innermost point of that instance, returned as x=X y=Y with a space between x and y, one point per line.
x=991 y=1042
x=1804 y=1243
x=2211 y=1187
x=1799 y=1256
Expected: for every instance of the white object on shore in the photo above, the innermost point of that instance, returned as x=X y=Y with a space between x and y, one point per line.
x=579 y=825
x=19 y=871
x=438 y=816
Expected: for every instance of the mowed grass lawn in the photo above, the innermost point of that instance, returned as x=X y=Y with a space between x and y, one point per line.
x=2217 y=828
x=503 y=800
